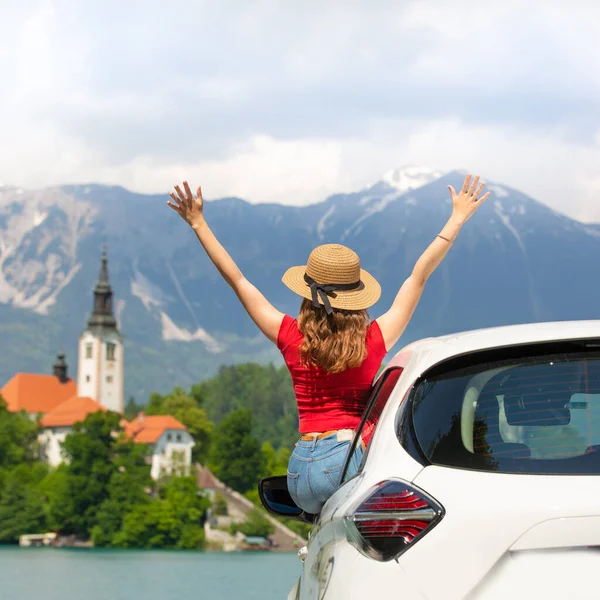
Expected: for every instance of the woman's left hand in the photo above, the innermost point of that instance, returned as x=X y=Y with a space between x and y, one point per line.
x=467 y=201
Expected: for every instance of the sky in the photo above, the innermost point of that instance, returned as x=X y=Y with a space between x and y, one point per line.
x=289 y=101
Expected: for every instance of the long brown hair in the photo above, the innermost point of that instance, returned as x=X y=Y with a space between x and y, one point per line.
x=336 y=342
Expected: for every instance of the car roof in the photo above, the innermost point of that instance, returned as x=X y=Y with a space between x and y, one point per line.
x=430 y=351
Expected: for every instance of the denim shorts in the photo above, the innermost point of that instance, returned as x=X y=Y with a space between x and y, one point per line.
x=315 y=469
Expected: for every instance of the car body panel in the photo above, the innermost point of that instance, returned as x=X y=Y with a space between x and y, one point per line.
x=571 y=532
x=338 y=570
x=558 y=575
x=496 y=526
x=486 y=515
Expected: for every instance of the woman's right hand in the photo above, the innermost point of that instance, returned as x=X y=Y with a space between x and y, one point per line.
x=465 y=203
x=190 y=209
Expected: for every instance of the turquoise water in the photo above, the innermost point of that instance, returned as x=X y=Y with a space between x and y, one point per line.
x=60 y=574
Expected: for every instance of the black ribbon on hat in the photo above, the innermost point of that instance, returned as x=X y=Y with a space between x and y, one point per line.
x=327 y=290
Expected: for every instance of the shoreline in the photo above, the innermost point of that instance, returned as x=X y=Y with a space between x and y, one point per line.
x=82 y=549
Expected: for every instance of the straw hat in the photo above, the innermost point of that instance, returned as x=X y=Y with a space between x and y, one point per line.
x=333 y=278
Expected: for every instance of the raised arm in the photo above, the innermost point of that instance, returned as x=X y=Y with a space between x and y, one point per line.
x=261 y=311
x=464 y=204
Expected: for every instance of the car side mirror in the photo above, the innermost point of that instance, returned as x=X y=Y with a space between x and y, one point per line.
x=276 y=499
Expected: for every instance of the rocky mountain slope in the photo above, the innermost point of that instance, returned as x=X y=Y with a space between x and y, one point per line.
x=515 y=261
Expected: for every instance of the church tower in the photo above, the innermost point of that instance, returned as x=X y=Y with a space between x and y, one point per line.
x=100 y=364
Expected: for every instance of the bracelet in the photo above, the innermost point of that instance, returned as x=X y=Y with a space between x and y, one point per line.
x=445 y=239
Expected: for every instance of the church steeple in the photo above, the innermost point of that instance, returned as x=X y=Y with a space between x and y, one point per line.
x=101 y=360
x=102 y=316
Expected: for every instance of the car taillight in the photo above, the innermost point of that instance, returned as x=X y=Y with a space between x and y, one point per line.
x=392 y=518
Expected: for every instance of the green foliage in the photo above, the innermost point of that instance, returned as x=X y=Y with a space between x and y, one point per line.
x=131 y=409
x=265 y=390
x=22 y=507
x=22 y=503
x=255 y=524
x=156 y=526
x=59 y=505
x=115 y=507
x=269 y=458
x=299 y=527
x=275 y=462
x=174 y=520
x=18 y=435
x=185 y=409
x=126 y=490
x=104 y=490
x=219 y=504
x=268 y=394
x=90 y=452
x=236 y=456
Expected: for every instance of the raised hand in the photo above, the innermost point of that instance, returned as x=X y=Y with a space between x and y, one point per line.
x=190 y=209
x=467 y=201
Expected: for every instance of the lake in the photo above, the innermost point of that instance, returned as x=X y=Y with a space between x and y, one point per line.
x=63 y=574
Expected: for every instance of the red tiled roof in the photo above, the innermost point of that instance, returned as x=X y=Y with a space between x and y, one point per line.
x=148 y=429
x=35 y=393
x=71 y=411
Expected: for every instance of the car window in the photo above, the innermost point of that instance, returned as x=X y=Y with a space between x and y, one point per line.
x=379 y=396
x=526 y=415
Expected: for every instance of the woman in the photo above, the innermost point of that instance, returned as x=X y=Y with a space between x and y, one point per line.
x=332 y=350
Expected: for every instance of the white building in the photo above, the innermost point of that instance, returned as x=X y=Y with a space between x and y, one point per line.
x=169 y=443
x=100 y=365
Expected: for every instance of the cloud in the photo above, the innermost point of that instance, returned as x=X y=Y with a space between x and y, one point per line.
x=287 y=102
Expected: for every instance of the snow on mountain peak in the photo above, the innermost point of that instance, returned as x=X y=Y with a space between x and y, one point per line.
x=411 y=177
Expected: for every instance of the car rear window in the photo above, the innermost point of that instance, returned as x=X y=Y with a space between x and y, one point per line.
x=534 y=414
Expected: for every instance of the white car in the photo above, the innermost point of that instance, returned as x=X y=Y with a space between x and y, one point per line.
x=481 y=476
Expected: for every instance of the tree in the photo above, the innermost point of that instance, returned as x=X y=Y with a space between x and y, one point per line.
x=22 y=503
x=255 y=524
x=147 y=526
x=127 y=489
x=236 y=456
x=184 y=408
x=131 y=409
x=219 y=504
x=264 y=389
x=174 y=520
x=275 y=462
x=155 y=404
x=103 y=489
x=198 y=394
x=58 y=503
x=90 y=449
x=18 y=438
x=269 y=459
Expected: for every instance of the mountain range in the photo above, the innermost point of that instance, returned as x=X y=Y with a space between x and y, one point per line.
x=515 y=261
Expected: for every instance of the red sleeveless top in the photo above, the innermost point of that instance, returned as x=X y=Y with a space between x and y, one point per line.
x=329 y=401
